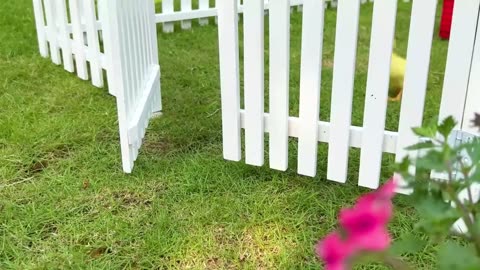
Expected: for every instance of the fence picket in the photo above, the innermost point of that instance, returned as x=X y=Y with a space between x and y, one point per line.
x=460 y=48
x=383 y=27
x=52 y=32
x=64 y=40
x=93 y=45
x=279 y=83
x=348 y=13
x=254 y=81
x=186 y=6
x=167 y=8
x=311 y=59
x=204 y=4
x=229 y=78
x=107 y=44
x=422 y=23
x=473 y=94
x=153 y=54
x=130 y=69
x=40 y=26
x=78 y=40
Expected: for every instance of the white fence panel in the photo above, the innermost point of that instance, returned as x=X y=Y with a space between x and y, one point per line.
x=383 y=27
x=348 y=14
x=229 y=78
x=279 y=83
x=69 y=37
x=311 y=66
x=254 y=81
x=136 y=66
x=130 y=59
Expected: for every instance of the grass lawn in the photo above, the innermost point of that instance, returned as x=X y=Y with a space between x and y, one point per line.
x=66 y=204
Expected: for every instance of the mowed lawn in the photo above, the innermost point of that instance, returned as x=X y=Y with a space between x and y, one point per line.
x=66 y=204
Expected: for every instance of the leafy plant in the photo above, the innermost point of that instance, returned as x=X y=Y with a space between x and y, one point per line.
x=443 y=179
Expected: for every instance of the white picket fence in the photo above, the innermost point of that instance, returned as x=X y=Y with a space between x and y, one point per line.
x=68 y=32
x=206 y=10
x=461 y=91
x=122 y=40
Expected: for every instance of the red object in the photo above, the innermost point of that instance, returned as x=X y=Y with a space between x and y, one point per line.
x=446 y=20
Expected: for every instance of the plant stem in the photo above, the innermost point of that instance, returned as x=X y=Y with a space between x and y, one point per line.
x=465 y=213
x=396 y=263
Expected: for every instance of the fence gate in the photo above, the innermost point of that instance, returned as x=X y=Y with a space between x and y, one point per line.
x=122 y=40
x=371 y=138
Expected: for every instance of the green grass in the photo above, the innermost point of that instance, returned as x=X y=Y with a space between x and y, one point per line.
x=66 y=204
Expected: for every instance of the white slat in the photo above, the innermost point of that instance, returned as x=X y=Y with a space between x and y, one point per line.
x=107 y=44
x=279 y=82
x=119 y=57
x=203 y=5
x=348 y=12
x=65 y=41
x=254 y=81
x=78 y=41
x=422 y=23
x=459 y=59
x=383 y=27
x=186 y=6
x=40 y=26
x=130 y=70
x=153 y=49
x=473 y=94
x=93 y=45
x=229 y=78
x=167 y=7
x=52 y=32
x=137 y=52
x=215 y=7
x=312 y=38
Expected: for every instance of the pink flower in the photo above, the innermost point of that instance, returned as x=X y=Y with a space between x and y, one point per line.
x=334 y=251
x=365 y=223
x=387 y=191
x=365 y=228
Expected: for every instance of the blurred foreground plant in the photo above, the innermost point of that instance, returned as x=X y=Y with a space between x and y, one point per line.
x=444 y=182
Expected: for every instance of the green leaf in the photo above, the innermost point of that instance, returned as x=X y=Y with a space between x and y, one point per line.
x=454 y=256
x=427 y=131
x=422 y=145
x=407 y=244
x=437 y=216
x=432 y=160
x=446 y=127
x=403 y=166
